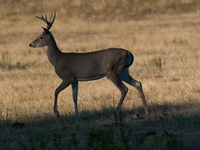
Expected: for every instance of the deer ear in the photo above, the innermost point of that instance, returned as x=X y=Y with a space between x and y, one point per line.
x=45 y=30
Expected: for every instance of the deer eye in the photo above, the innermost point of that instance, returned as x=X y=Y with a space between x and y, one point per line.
x=41 y=37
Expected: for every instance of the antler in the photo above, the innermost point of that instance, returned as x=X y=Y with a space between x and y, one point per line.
x=50 y=22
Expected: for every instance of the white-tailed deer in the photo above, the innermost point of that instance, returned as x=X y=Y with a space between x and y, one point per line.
x=73 y=67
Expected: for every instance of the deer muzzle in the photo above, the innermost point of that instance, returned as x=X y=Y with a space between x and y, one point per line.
x=32 y=45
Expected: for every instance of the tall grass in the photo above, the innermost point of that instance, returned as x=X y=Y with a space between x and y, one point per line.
x=98 y=9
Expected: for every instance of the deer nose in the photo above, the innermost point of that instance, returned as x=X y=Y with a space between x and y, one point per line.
x=31 y=45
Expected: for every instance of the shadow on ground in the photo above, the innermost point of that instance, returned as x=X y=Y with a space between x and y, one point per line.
x=179 y=122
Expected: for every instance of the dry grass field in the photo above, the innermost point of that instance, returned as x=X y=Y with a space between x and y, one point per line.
x=164 y=39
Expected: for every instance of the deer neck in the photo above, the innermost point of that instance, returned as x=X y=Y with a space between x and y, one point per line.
x=53 y=53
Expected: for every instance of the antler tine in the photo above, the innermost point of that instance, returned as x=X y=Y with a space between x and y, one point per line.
x=50 y=16
x=53 y=18
x=49 y=23
x=46 y=17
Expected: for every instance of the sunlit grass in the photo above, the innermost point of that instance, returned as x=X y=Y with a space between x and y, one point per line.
x=98 y=10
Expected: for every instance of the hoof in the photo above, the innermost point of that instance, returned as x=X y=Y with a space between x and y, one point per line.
x=137 y=116
x=147 y=112
x=57 y=114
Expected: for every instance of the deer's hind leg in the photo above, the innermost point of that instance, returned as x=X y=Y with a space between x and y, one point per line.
x=120 y=85
x=125 y=76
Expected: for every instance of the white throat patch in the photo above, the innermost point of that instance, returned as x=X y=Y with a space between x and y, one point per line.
x=46 y=47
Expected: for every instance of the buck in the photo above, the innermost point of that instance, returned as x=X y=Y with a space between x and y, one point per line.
x=74 y=67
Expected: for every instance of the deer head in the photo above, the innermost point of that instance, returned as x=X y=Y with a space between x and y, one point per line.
x=43 y=39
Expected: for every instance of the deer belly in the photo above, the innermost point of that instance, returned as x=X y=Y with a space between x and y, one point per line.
x=93 y=78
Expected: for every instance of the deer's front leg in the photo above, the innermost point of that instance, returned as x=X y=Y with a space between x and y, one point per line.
x=62 y=86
